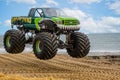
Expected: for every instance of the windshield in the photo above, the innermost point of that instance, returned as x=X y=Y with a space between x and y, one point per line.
x=52 y=12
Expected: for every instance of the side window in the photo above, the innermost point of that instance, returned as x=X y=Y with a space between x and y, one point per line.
x=38 y=13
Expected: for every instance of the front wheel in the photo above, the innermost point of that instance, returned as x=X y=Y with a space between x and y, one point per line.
x=14 y=41
x=45 y=45
x=80 y=43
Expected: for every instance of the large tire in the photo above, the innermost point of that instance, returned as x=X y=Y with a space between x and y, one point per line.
x=14 y=41
x=80 y=43
x=45 y=45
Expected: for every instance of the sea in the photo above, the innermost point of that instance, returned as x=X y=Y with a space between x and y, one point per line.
x=102 y=43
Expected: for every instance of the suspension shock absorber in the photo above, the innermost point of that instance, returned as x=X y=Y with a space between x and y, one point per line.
x=67 y=38
x=68 y=41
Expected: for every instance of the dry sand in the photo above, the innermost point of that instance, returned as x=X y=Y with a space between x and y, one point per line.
x=61 y=67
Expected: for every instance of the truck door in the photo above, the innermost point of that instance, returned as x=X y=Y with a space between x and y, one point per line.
x=36 y=17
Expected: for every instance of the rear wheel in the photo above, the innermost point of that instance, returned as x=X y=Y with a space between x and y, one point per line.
x=14 y=41
x=45 y=45
x=80 y=43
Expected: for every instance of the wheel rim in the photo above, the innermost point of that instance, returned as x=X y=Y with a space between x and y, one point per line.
x=8 y=41
x=38 y=46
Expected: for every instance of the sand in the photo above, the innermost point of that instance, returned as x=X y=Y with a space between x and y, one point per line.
x=62 y=67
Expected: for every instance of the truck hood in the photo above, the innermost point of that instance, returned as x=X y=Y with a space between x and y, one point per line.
x=63 y=18
x=66 y=20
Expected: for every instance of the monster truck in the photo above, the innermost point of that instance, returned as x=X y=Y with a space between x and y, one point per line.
x=43 y=28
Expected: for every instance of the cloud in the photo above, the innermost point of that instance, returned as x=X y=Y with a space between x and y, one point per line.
x=7 y=23
x=45 y=5
x=84 y=1
x=52 y=2
x=22 y=1
x=48 y=3
x=115 y=6
x=104 y=25
x=111 y=21
x=90 y=25
x=75 y=13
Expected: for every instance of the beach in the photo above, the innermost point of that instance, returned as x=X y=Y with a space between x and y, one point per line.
x=25 y=66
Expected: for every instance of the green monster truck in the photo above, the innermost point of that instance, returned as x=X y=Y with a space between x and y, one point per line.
x=43 y=28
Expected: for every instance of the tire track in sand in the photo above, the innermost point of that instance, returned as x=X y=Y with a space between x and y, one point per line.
x=61 y=66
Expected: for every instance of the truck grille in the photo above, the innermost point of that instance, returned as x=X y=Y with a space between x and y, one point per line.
x=69 y=27
x=70 y=22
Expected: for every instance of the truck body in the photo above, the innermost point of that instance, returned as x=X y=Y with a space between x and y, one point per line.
x=37 y=15
x=42 y=28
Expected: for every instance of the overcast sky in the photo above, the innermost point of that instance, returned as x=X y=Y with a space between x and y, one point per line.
x=96 y=16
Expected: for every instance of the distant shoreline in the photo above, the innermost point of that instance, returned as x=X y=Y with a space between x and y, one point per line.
x=91 y=53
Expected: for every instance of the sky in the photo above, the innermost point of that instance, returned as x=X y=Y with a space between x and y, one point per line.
x=96 y=16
